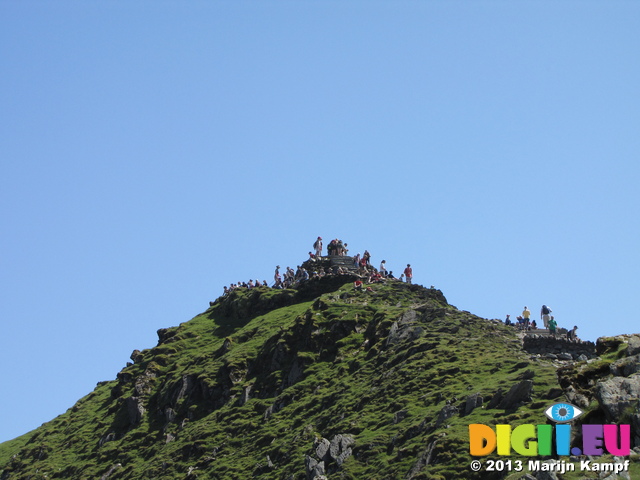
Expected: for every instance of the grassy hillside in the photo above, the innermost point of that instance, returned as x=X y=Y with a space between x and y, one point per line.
x=251 y=387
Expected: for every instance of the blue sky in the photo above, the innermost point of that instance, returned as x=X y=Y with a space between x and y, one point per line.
x=152 y=152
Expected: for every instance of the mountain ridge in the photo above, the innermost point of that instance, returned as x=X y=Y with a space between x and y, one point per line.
x=317 y=381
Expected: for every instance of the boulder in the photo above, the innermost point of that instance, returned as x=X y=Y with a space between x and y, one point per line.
x=576 y=398
x=626 y=366
x=634 y=345
x=496 y=399
x=518 y=394
x=618 y=395
x=339 y=445
x=446 y=413
x=405 y=329
x=473 y=401
x=322 y=449
x=135 y=409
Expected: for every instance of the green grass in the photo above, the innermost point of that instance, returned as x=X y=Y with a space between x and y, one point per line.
x=265 y=373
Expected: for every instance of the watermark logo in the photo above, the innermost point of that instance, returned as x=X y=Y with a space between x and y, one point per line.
x=563 y=412
x=530 y=440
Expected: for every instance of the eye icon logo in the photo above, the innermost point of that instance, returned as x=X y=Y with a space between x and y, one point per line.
x=563 y=412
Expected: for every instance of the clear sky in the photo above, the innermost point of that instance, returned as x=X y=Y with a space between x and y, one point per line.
x=153 y=152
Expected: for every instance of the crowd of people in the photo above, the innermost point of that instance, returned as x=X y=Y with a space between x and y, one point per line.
x=367 y=274
x=361 y=268
x=525 y=323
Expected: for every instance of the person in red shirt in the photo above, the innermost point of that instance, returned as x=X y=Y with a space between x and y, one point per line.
x=408 y=273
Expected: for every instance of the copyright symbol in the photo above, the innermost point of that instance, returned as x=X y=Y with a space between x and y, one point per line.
x=476 y=465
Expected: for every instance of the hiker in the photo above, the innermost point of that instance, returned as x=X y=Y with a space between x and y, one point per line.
x=345 y=250
x=276 y=275
x=402 y=277
x=507 y=321
x=552 y=326
x=520 y=323
x=317 y=246
x=544 y=314
x=526 y=313
x=357 y=285
x=408 y=273
x=332 y=248
x=534 y=325
x=390 y=275
x=366 y=256
x=383 y=268
x=572 y=334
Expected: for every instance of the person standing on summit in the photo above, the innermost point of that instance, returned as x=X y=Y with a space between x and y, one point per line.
x=526 y=314
x=318 y=247
x=544 y=314
x=408 y=273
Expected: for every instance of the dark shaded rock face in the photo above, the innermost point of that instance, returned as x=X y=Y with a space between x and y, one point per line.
x=519 y=394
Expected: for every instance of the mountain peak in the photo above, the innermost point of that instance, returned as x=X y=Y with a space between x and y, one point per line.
x=319 y=381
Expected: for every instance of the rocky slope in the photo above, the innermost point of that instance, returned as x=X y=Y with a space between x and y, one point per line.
x=321 y=382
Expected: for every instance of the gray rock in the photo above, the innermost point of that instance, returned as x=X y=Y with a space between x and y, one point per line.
x=446 y=413
x=551 y=356
x=246 y=395
x=616 y=476
x=318 y=471
x=576 y=398
x=340 y=444
x=634 y=345
x=473 y=401
x=322 y=448
x=343 y=456
x=110 y=437
x=565 y=356
x=626 y=366
x=635 y=430
x=135 y=409
x=618 y=395
x=546 y=476
x=496 y=399
x=518 y=394
x=310 y=464
x=399 y=416
x=170 y=414
x=136 y=356
x=347 y=441
x=405 y=329
x=583 y=357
